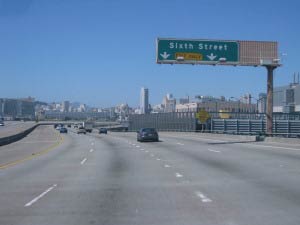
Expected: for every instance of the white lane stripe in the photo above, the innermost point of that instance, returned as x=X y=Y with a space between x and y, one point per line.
x=40 y=196
x=137 y=146
x=91 y=150
x=211 y=150
x=179 y=143
x=230 y=140
x=167 y=166
x=158 y=159
x=270 y=146
x=178 y=175
x=147 y=151
x=152 y=155
x=142 y=149
x=83 y=161
x=203 y=197
x=92 y=143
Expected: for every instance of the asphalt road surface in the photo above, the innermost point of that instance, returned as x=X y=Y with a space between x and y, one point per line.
x=112 y=179
x=14 y=127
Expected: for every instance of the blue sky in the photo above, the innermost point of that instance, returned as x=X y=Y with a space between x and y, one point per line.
x=102 y=52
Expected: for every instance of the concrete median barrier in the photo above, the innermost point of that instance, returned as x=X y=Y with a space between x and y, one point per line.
x=16 y=137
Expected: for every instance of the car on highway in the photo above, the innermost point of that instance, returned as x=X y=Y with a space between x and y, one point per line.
x=147 y=134
x=102 y=131
x=1 y=123
x=63 y=130
x=81 y=130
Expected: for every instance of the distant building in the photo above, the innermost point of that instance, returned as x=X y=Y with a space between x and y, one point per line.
x=169 y=103
x=65 y=106
x=184 y=100
x=82 y=108
x=286 y=99
x=217 y=106
x=158 y=108
x=144 y=101
x=17 y=108
x=262 y=103
x=246 y=99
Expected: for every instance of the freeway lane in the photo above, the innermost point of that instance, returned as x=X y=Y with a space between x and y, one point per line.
x=251 y=182
x=40 y=140
x=112 y=179
x=14 y=127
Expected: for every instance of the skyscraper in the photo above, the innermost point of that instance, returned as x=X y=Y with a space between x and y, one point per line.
x=65 y=106
x=144 y=100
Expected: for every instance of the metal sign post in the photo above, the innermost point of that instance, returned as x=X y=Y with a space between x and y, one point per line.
x=269 y=113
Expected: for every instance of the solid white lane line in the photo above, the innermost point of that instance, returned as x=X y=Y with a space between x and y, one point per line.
x=40 y=196
x=203 y=197
x=167 y=166
x=178 y=175
x=83 y=161
x=270 y=146
x=211 y=150
x=91 y=150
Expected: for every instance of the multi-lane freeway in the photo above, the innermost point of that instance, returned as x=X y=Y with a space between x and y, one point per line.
x=69 y=179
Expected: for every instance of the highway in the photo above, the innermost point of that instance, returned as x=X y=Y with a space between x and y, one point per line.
x=185 y=179
x=14 y=127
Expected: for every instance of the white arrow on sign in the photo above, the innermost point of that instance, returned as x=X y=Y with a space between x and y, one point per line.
x=165 y=55
x=211 y=56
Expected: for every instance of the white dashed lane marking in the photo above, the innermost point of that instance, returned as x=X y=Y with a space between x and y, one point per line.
x=40 y=196
x=203 y=197
x=83 y=161
x=178 y=175
x=212 y=150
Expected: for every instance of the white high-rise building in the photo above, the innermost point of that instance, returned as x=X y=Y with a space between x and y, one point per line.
x=144 y=101
x=65 y=106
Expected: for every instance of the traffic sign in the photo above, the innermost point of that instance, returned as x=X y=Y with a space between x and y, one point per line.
x=197 y=51
x=203 y=116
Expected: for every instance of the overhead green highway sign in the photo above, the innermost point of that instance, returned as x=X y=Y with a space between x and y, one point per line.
x=189 y=51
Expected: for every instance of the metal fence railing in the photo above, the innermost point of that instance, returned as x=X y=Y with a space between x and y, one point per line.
x=242 y=123
x=280 y=127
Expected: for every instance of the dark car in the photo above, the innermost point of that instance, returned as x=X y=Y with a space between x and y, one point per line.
x=63 y=130
x=102 y=131
x=147 y=134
